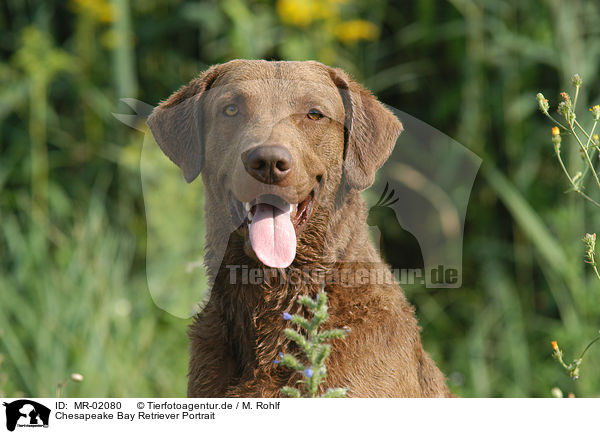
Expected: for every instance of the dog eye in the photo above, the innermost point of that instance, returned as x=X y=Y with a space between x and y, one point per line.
x=314 y=115
x=231 y=110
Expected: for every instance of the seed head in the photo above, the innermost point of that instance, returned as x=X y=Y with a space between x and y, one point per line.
x=542 y=103
x=563 y=108
x=589 y=241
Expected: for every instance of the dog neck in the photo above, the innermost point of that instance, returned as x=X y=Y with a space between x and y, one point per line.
x=253 y=297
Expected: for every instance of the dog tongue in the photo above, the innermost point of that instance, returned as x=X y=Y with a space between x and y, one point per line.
x=272 y=236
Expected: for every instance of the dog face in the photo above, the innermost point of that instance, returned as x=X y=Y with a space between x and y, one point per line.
x=276 y=143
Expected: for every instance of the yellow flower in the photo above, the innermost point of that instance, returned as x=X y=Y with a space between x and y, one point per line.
x=355 y=30
x=555 y=131
x=595 y=137
x=100 y=10
x=301 y=13
x=554 y=345
x=295 y=12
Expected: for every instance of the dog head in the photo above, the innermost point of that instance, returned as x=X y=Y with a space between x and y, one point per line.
x=276 y=143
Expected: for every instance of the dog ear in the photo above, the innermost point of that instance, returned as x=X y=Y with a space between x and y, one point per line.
x=177 y=122
x=371 y=131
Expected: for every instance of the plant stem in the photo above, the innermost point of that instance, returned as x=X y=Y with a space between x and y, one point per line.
x=587 y=156
x=575 y=186
x=578 y=125
x=596 y=270
x=587 y=145
x=549 y=116
x=591 y=343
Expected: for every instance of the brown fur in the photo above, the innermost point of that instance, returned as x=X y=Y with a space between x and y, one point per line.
x=235 y=340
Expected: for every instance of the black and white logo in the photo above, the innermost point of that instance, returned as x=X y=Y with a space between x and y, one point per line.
x=26 y=413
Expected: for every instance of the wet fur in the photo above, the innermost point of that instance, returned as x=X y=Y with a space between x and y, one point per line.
x=239 y=334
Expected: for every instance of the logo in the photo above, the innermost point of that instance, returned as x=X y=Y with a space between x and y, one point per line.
x=26 y=413
x=402 y=250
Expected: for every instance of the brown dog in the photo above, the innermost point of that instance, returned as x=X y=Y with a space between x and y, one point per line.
x=284 y=149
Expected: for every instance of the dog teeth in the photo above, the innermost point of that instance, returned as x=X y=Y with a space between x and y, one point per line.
x=249 y=213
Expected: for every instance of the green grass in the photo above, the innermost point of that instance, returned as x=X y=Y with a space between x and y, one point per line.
x=78 y=309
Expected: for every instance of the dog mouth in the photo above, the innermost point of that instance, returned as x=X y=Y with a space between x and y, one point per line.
x=271 y=224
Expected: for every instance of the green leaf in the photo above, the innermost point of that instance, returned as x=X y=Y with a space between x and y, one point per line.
x=290 y=361
x=322 y=300
x=331 y=334
x=305 y=300
x=296 y=337
x=324 y=352
x=338 y=392
x=301 y=321
x=291 y=392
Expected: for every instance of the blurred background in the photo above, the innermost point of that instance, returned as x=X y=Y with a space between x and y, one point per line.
x=73 y=289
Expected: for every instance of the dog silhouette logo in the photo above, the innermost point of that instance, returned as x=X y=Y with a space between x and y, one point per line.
x=403 y=250
x=26 y=413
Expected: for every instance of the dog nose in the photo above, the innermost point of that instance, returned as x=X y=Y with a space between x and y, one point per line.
x=268 y=164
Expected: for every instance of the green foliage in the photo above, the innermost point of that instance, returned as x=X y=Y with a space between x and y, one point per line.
x=588 y=150
x=78 y=309
x=312 y=343
x=573 y=367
